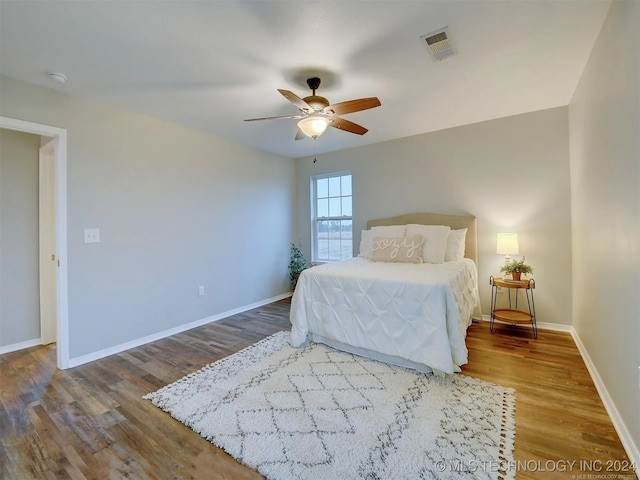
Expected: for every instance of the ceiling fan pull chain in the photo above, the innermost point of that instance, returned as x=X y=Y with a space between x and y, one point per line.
x=315 y=158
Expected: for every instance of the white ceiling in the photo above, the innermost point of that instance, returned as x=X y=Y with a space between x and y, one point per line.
x=211 y=64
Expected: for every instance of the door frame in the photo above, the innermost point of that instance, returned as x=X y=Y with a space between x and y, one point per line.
x=47 y=247
x=60 y=194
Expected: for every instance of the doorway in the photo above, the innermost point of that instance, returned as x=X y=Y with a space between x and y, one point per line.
x=59 y=214
x=47 y=242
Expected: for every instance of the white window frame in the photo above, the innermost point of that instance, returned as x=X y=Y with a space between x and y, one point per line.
x=315 y=219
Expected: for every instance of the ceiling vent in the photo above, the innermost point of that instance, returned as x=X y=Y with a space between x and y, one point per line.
x=439 y=43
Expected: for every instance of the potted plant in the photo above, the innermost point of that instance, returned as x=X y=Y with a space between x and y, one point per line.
x=296 y=265
x=516 y=268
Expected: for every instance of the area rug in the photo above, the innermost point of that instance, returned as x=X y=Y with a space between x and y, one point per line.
x=318 y=413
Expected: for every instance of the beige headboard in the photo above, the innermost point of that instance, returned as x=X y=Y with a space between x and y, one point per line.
x=454 y=221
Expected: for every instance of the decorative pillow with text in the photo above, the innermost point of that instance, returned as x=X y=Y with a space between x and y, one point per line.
x=397 y=249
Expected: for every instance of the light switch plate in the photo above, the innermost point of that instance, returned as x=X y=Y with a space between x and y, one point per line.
x=91 y=235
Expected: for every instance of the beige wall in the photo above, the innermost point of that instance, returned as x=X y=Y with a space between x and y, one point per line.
x=19 y=275
x=511 y=173
x=605 y=195
x=176 y=208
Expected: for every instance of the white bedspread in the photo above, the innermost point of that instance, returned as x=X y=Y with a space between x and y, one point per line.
x=417 y=312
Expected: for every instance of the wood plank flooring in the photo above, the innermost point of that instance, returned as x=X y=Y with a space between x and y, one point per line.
x=90 y=422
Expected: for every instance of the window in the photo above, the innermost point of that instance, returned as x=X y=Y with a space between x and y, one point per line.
x=332 y=217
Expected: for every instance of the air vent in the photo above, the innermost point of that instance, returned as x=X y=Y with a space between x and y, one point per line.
x=439 y=43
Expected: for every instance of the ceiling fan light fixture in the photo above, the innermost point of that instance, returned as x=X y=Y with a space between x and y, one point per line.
x=317 y=113
x=314 y=125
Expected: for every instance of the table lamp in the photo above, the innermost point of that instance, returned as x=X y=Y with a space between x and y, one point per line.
x=507 y=245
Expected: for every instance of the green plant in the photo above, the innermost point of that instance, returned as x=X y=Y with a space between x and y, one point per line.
x=516 y=266
x=296 y=265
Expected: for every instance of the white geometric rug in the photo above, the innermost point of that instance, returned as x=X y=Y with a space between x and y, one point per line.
x=318 y=413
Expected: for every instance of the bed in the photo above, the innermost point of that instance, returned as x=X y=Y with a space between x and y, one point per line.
x=405 y=312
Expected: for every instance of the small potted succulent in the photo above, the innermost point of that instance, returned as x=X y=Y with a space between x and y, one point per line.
x=516 y=268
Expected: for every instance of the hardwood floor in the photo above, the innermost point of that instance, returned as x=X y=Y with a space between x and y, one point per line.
x=90 y=422
x=559 y=415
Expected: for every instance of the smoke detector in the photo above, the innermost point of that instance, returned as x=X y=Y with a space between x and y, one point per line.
x=57 y=77
x=439 y=43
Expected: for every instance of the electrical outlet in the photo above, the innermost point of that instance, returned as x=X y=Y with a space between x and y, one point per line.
x=91 y=235
x=201 y=291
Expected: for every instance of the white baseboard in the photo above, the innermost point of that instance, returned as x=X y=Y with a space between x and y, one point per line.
x=19 y=346
x=625 y=437
x=90 y=357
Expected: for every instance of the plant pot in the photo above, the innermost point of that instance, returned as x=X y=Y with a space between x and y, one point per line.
x=516 y=275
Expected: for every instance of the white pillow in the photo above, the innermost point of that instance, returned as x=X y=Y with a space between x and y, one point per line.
x=455 y=245
x=366 y=236
x=389 y=231
x=435 y=241
x=397 y=249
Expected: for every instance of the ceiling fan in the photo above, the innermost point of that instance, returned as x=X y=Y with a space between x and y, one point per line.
x=317 y=114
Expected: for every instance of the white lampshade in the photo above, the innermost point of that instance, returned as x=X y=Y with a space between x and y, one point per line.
x=507 y=244
x=314 y=125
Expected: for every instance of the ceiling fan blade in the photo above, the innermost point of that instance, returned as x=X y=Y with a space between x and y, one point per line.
x=353 y=106
x=273 y=118
x=296 y=100
x=300 y=135
x=347 y=126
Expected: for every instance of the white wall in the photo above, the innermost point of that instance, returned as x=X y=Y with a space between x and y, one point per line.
x=511 y=173
x=176 y=208
x=19 y=274
x=605 y=195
